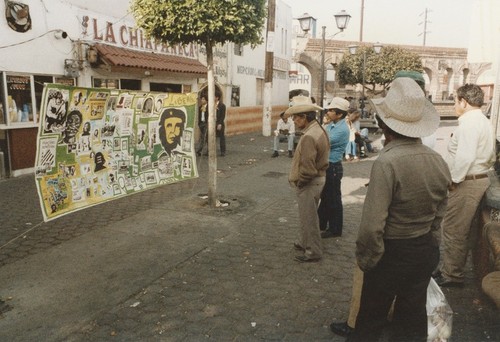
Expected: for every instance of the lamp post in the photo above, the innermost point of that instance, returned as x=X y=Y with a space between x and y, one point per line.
x=377 y=47
x=341 y=19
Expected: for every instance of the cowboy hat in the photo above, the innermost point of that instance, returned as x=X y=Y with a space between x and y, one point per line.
x=414 y=75
x=405 y=109
x=338 y=103
x=302 y=104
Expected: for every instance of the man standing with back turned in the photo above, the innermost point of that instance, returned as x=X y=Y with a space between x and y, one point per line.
x=406 y=200
x=471 y=153
x=307 y=175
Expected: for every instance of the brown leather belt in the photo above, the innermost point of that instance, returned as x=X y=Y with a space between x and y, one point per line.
x=474 y=177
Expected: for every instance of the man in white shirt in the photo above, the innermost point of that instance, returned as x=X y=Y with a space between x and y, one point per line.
x=471 y=154
x=284 y=129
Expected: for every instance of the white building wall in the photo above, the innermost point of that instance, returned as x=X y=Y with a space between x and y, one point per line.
x=248 y=70
x=282 y=53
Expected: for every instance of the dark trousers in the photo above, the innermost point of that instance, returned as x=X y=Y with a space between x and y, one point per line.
x=330 y=209
x=222 y=139
x=403 y=274
x=203 y=137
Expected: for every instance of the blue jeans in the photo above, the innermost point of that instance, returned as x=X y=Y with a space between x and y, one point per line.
x=350 y=149
x=330 y=211
x=289 y=138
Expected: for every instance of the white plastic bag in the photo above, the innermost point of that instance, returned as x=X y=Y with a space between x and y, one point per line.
x=439 y=314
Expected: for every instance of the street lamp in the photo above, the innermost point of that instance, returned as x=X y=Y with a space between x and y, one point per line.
x=377 y=47
x=341 y=19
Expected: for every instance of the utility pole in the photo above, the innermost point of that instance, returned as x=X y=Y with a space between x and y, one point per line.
x=425 y=25
x=322 y=88
x=268 y=77
x=362 y=17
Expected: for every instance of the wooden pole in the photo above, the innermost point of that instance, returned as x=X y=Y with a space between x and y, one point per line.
x=268 y=77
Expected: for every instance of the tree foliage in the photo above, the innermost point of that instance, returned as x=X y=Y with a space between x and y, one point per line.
x=379 y=68
x=201 y=21
x=206 y=22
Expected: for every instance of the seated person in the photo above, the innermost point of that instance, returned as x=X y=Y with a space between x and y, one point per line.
x=284 y=130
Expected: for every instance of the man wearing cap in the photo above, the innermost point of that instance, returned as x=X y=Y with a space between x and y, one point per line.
x=471 y=154
x=307 y=175
x=330 y=210
x=405 y=203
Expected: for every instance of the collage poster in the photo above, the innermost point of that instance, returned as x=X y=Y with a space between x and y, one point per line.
x=95 y=145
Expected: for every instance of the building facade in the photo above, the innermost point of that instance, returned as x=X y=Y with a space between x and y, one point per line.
x=74 y=43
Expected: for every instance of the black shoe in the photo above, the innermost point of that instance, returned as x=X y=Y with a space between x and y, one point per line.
x=328 y=234
x=341 y=329
x=275 y=154
x=198 y=154
x=290 y=154
x=443 y=282
x=303 y=258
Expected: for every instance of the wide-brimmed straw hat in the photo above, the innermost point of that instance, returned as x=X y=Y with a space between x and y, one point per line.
x=338 y=103
x=405 y=109
x=302 y=104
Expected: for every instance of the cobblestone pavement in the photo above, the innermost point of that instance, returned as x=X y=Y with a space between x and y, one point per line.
x=203 y=274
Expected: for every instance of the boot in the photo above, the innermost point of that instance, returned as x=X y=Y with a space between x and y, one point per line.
x=290 y=154
x=275 y=154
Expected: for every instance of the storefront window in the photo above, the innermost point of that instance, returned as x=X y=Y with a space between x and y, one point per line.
x=105 y=83
x=65 y=81
x=235 y=97
x=130 y=84
x=39 y=83
x=165 y=87
x=19 y=100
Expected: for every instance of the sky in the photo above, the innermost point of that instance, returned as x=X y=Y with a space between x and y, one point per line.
x=393 y=21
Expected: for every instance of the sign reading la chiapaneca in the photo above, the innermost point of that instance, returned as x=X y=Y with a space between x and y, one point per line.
x=95 y=145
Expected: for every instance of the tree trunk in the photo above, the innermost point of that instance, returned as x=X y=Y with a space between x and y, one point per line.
x=268 y=77
x=212 y=148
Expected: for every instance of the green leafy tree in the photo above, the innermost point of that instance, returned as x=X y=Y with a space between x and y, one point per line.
x=204 y=22
x=379 y=68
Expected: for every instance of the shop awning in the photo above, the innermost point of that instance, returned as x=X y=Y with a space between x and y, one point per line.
x=116 y=56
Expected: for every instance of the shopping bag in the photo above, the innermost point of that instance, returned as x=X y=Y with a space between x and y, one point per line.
x=439 y=314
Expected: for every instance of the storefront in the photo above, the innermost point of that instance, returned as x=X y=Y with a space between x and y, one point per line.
x=43 y=43
x=59 y=42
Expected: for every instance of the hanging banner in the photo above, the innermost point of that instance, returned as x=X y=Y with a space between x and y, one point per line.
x=95 y=145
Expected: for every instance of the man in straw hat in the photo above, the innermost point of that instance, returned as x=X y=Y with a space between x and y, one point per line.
x=307 y=175
x=471 y=154
x=405 y=203
x=345 y=328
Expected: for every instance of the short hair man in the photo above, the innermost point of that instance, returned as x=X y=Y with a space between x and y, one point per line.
x=404 y=205
x=220 y=126
x=471 y=154
x=307 y=175
x=285 y=129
